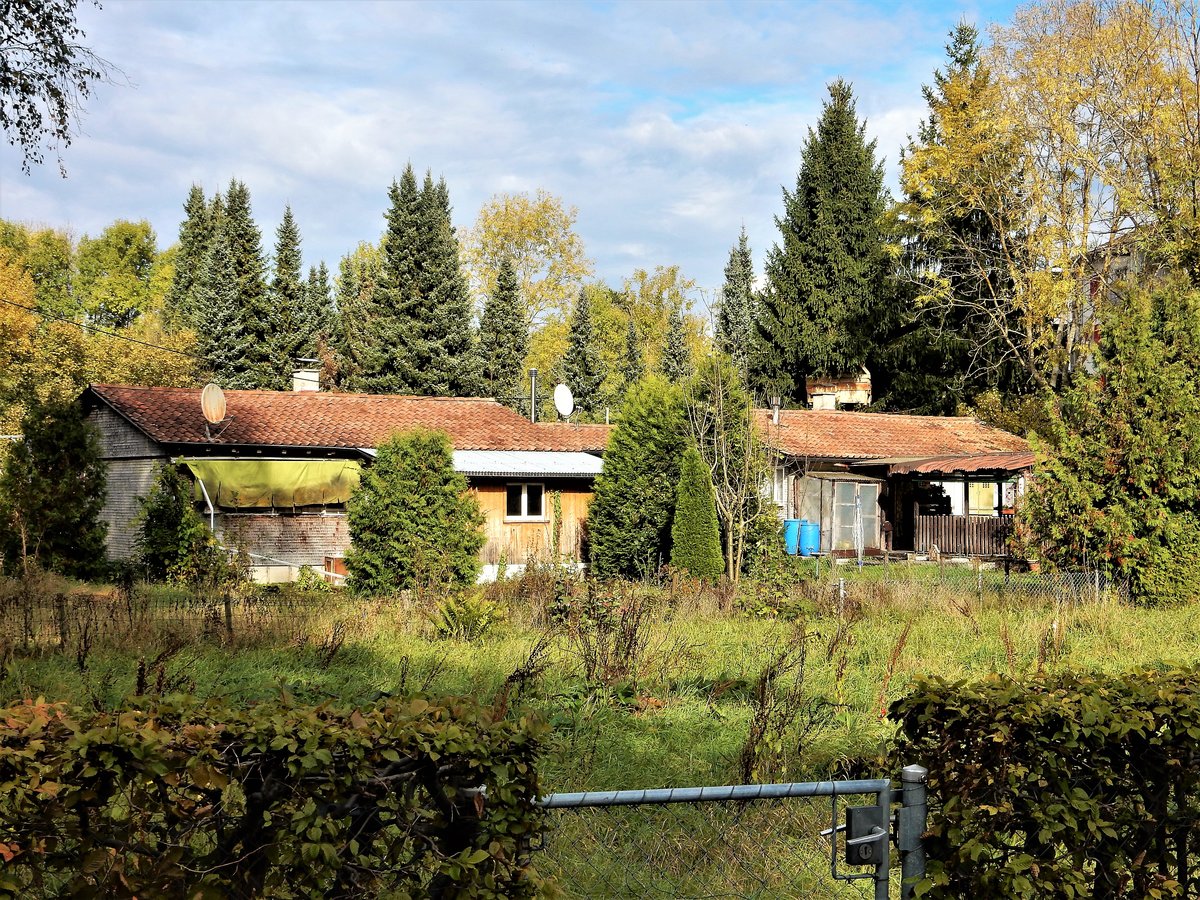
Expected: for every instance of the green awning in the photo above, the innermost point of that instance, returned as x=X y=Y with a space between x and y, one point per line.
x=281 y=483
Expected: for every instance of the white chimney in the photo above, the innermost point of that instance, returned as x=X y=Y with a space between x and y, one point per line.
x=306 y=380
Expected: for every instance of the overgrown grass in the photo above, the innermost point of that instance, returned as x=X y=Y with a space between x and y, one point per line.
x=674 y=703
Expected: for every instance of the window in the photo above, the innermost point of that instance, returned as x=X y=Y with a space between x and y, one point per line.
x=524 y=501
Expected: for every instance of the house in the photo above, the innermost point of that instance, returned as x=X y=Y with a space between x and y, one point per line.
x=274 y=476
x=904 y=482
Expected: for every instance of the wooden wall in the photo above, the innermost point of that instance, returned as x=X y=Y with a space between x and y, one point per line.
x=518 y=542
x=133 y=463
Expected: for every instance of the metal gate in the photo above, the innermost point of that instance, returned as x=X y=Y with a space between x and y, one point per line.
x=742 y=841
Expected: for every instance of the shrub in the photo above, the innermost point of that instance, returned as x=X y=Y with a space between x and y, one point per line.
x=174 y=543
x=174 y=798
x=629 y=520
x=466 y=616
x=695 y=539
x=1063 y=786
x=412 y=521
x=51 y=494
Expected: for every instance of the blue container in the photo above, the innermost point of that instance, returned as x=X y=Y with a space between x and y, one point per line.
x=791 y=535
x=810 y=538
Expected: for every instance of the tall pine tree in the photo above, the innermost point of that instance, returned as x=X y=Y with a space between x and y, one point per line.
x=825 y=275
x=583 y=367
x=195 y=238
x=317 y=312
x=287 y=301
x=221 y=336
x=676 y=360
x=503 y=337
x=254 y=309
x=735 y=315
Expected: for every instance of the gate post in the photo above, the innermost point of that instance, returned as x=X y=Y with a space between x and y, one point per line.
x=912 y=824
x=884 y=865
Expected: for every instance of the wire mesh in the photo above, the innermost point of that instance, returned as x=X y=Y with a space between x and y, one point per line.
x=710 y=849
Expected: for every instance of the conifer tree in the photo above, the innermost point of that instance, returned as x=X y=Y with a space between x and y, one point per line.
x=676 y=361
x=316 y=319
x=695 y=538
x=52 y=490
x=629 y=519
x=286 y=295
x=735 y=315
x=254 y=308
x=503 y=337
x=412 y=520
x=221 y=336
x=635 y=366
x=454 y=368
x=824 y=277
x=583 y=367
x=195 y=238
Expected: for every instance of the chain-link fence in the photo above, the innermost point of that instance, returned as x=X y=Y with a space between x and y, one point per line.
x=979 y=579
x=814 y=839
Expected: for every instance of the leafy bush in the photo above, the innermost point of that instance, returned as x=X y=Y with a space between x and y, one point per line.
x=1059 y=787
x=174 y=798
x=412 y=521
x=174 y=542
x=308 y=581
x=466 y=616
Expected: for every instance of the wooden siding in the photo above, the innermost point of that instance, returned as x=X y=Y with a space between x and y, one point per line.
x=519 y=542
x=964 y=535
x=133 y=463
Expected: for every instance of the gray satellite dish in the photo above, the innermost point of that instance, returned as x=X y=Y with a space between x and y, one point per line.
x=212 y=404
x=563 y=401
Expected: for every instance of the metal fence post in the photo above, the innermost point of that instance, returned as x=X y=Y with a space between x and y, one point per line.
x=911 y=825
x=885 y=862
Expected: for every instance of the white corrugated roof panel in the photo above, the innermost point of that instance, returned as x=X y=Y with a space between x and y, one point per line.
x=527 y=463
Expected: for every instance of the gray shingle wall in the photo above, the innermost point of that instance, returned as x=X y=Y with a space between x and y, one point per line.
x=133 y=463
x=301 y=540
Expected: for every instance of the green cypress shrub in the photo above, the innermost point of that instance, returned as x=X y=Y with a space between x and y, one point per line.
x=695 y=538
x=411 y=519
x=629 y=520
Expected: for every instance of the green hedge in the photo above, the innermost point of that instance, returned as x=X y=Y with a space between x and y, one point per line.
x=1064 y=786
x=176 y=798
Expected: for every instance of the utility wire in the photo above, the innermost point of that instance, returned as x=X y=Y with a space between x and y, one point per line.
x=93 y=328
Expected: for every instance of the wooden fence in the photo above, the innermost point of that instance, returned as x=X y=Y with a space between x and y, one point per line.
x=964 y=535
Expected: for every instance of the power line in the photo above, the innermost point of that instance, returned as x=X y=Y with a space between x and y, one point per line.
x=93 y=328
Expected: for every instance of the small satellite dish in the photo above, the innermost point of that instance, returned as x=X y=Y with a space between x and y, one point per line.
x=212 y=404
x=563 y=401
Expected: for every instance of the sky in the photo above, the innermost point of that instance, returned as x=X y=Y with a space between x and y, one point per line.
x=669 y=126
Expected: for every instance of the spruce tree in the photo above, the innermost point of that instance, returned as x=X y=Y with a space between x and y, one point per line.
x=454 y=368
x=195 y=237
x=221 y=336
x=676 y=360
x=735 y=315
x=503 y=337
x=254 y=308
x=695 y=538
x=629 y=519
x=52 y=489
x=317 y=312
x=825 y=275
x=286 y=295
x=635 y=367
x=583 y=367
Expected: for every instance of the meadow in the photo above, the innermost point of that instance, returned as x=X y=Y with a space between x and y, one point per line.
x=644 y=686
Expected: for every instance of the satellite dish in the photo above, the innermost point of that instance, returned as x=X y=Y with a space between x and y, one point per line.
x=563 y=401
x=212 y=404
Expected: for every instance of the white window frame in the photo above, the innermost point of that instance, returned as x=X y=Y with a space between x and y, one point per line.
x=524 y=516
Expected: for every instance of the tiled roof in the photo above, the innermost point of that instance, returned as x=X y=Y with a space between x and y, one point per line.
x=838 y=434
x=320 y=419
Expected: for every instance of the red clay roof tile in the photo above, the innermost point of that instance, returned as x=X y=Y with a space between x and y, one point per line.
x=839 y=434
x=321 y=419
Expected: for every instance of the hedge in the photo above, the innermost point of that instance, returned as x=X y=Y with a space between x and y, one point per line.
x=1063 y=786
x=178 y=798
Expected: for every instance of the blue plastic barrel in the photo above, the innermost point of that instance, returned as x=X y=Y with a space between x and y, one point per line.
x=810 y=538
x=791 y=535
